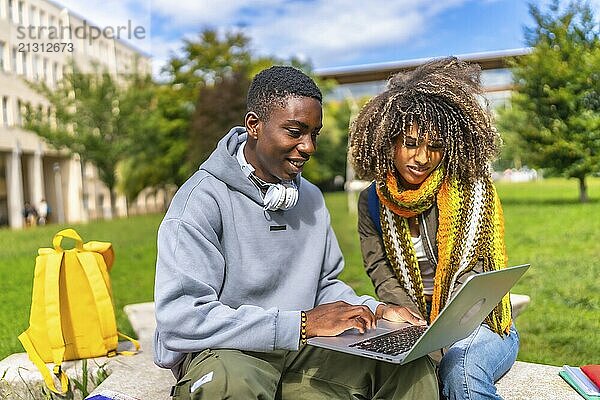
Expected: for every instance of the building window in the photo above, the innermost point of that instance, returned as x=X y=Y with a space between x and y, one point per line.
x=5 y=111
x=3 y=65
x=20 y=10
x=24 y=60
x=42 y=18
x=15 y=61
x=11 y=10
x=19 y=113
x=45 y=75
x=33 y=16
x=34 y=67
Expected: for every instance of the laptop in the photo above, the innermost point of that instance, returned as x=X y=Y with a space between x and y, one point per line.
x=401 y=343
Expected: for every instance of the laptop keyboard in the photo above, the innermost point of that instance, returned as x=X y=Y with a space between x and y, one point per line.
x=393 y=343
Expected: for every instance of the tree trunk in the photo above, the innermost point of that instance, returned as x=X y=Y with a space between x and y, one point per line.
x=113 y=203
x=85 y=199
x=583 y=196
x=165 y=203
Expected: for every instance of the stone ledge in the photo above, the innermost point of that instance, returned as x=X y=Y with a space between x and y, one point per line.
x=138 y=377
x=519 y=302
x=526 y=381
x=22 y=380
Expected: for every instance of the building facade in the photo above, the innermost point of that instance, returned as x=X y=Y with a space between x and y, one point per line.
x=31 y=170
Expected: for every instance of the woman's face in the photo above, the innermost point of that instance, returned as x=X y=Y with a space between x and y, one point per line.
x=416 y=161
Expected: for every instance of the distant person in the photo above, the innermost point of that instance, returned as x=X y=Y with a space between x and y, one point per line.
x=247 y=270
x=43 y=212
x=30 y=214
x=432 y=217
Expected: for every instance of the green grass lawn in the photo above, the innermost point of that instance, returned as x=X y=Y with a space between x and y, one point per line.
x=545 y=226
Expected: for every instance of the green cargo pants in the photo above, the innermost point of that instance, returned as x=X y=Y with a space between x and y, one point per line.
x=310 y=373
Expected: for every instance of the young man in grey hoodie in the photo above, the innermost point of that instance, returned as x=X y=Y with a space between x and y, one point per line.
x=247 y=269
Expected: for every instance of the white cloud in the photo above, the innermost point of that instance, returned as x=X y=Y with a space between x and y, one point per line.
x=339 y=29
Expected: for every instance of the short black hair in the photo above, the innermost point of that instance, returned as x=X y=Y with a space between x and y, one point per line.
x=274 y=85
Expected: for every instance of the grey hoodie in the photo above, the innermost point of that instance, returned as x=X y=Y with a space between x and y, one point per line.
x=231 y=275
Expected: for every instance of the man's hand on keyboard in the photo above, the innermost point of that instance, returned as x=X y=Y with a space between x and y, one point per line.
x=334 y=318
x=398 y=314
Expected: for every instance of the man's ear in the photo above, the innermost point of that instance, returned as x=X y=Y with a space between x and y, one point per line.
x=253 y=124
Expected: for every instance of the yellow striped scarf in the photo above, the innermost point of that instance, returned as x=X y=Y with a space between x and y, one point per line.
x=470 y=230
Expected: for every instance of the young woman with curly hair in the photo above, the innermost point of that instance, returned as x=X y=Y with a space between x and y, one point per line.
x=432 y=217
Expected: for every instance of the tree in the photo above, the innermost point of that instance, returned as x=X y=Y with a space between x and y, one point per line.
x=330 y=158
x=555 y=107
x=159 y=143
x=86 y=119
x=220 y=106
x=207 y=67
x=212 y=77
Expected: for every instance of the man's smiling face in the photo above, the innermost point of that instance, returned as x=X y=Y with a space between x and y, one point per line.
x=286 y=140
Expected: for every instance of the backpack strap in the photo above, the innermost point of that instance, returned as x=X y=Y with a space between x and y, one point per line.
x=102 y=299
x=104 y=306
x=373 y=203
x=41 y=366
x=67 y=233
x=52 y=301
x=53 y=324
x=136 y=344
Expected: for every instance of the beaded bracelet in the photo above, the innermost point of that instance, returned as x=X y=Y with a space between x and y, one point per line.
x=303 y=337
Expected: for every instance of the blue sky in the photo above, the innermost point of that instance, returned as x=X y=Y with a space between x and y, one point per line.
x=329 y=33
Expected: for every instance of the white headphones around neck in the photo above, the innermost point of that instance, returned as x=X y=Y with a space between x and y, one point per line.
x=278 y=196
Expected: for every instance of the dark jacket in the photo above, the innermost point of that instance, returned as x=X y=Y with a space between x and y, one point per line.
x=375 y=260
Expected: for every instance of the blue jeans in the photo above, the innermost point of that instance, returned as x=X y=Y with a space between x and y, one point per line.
x=472 y=365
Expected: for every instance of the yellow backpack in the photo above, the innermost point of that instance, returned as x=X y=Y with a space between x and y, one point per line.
x=72 y=315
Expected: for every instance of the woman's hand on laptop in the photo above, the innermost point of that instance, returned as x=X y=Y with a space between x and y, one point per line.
x=331 y=319
x=398 y=314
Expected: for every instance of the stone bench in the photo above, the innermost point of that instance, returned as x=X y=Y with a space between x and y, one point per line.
x=138 y=377
x=527 y=381
x=130 y=377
